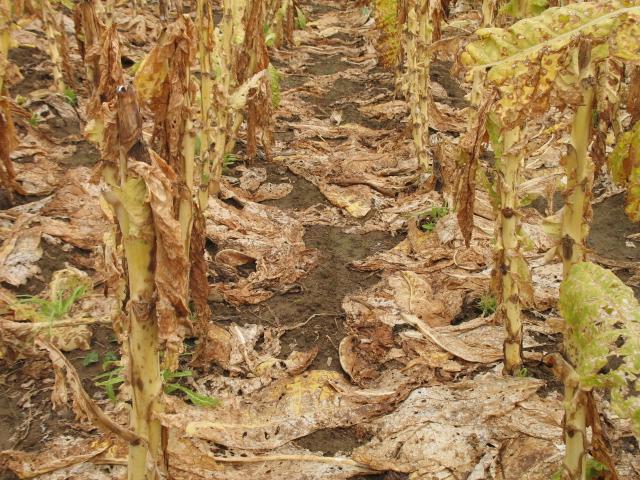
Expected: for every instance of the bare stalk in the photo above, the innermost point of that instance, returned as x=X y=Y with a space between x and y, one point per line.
x=509 y=264
x=54 y=40
x=418 y=37
x=579 y=170
x=204 y=27
x=574 y=465
x=8 y=138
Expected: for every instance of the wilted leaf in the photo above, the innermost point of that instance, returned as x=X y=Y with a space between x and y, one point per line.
x=288 y=409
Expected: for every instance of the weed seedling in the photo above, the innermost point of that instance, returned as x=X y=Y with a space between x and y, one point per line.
x=194 y=397
x=429 y=219
x=34 y=120
x=91 y=358
x=301 y=19
x=487 y=304
x=71 y=97
x=229 y=160
x=54 y=310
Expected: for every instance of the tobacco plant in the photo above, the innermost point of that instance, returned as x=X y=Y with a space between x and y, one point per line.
x=602 y=349
x=144 y=202
x=552 y=58
x=418 y=35
x=163 y=80
x=281 y=20
x=54 y=30
x=8 y=138
x=511 y=275
x=389 y=16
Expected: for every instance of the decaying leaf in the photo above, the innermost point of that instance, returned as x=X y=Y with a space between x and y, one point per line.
x=446 y=431
x=270 y=243
x=288 y=409
x=20 y=253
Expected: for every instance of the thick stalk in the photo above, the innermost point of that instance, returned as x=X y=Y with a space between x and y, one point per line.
x=8 y=139
x=579 y=171
x=576 y=404
x=575 y=433
x=5 y=40
x=204 y=25
x=281 y=20
x=142 y=339
x=510 y=262
x=489 y=12
x=419 y=34
x=221 y=130
x=53 y=37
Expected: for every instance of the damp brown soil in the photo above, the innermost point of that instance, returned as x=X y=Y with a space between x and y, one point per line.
x=610 y=229
x=318 y=297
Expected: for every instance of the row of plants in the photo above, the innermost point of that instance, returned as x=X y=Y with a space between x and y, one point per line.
x=200 y=82
x=528 y=59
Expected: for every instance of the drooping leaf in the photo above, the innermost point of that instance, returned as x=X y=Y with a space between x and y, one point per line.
x=389 y=27
x=624 y=163
x=603 y=316
x=537 y=57
x=523 y=9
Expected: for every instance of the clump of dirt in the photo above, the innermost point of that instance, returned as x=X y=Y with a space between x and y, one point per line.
x=333 y=440
x=85 y=154
x=28 y=59
x=441 y=73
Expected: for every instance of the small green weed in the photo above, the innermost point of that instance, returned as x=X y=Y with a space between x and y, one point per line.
x=487 y=304
x=34 y=120
x=71 y=97
x=91 y=358
x=54 y=310
x=595 y=469
x=229 y=161
x=269 y=36
x=301 y=19
x=194 y=397
x=429 y=219
x=110 y=380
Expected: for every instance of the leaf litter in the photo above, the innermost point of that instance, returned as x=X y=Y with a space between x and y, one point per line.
x=422 y=376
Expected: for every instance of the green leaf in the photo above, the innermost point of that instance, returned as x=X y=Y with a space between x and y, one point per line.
x=301 y=19
x=603 y=316
x=91 y=358
x=113 y=379
x=274 y=83
x=196 y=398
x=624 y=163
x=537 y=57
x=109 y=359
x=71 y=97
x=519 y=9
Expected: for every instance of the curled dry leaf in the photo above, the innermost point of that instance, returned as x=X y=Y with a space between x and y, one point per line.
x=288 y=409
x=250 y=349
x=266 y=235
x=172 y=265
x=446 y=431
x=194 y=459
x=83 y=405
x=20 y=253
x=61 y=453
